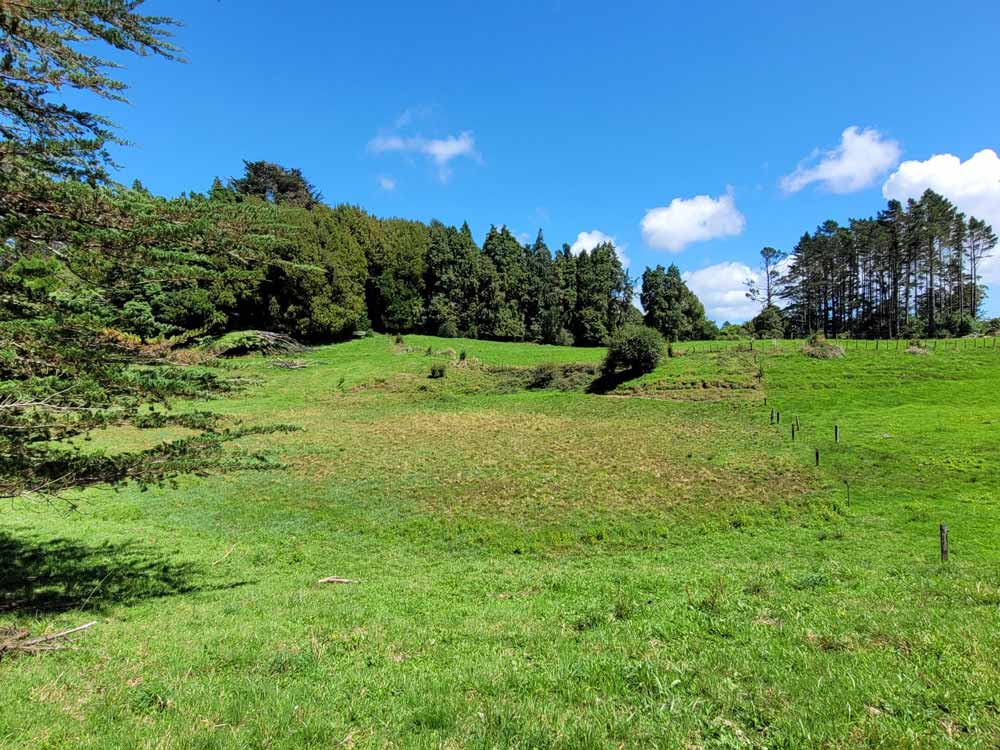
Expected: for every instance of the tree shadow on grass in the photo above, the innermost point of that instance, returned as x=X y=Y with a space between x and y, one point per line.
x=608 y=381
x=44 y=576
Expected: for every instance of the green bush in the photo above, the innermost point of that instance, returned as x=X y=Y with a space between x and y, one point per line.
x=438 y=371
x=636 y=349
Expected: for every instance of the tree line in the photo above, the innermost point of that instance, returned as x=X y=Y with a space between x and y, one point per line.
x=912 y=270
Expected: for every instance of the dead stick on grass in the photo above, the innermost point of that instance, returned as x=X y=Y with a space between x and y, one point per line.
x=335 y=579
x=18 y=643
x=60 y=634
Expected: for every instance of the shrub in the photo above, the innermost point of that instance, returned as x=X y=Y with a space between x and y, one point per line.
x=769 y=324
x=637 y=349
x=438 y=371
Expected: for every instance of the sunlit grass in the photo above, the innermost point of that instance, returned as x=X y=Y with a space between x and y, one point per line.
x=660 y=566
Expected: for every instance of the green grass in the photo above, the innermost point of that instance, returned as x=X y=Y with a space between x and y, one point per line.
x=656 y=567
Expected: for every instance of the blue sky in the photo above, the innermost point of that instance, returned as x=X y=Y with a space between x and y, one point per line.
x=595 y=118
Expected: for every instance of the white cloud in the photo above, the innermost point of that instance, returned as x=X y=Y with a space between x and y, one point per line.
x=440 y=151
x=688 y=220
x=387 y=183
x=722 y=290
x=589 y=240
x=972 y=185
x=861 y=158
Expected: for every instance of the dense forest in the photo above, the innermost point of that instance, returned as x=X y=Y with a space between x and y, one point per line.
x=263 y=251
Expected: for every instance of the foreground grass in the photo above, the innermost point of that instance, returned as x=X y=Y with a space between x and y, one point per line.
x=659 y=566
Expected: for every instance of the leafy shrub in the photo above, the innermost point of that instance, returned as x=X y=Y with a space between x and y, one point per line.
x=564 y=337
x=572 y=377
x=636 y=349
x=438 y=371
x=913 y=328
x=769 y=324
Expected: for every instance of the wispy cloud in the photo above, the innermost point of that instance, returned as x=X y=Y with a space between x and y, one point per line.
x=688 y=220
x=387 y=183
x=440 y=151
x=862 y=157
x=411 y=115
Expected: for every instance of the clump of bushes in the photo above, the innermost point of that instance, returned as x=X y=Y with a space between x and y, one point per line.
x=572 y=377
x=817 y=346
x=550 y=376
x=635 y=349
x=438 y=370
x=916 y=346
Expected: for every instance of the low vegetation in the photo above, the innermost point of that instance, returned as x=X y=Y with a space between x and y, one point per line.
x=537 y=567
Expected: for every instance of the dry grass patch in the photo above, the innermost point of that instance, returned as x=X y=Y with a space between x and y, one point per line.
x=540 y=466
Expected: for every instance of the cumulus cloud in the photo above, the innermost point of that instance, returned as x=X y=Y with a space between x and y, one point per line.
x=862 y=157
x=441 y=151
x=722 y=290
x=688 y=220
x=387 y=183
x=589 y=240
x=972 y=185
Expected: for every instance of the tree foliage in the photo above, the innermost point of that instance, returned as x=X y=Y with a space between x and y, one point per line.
x=635 y=349
x=276 y=184
x=912 y=270
x=671 y=307
x=44 y=53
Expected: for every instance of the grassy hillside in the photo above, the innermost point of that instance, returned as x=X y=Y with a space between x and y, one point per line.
x=659 y=566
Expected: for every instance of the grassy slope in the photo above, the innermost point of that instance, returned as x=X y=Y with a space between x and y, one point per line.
x=539 y=569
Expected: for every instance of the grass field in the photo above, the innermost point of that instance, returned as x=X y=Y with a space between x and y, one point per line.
x=658 y=566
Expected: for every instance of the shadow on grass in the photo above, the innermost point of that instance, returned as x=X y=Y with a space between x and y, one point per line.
x=608 y=381
x=44 y=576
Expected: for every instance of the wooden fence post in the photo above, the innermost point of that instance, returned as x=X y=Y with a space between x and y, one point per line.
x=836 y=433
x=817 y=456
x=944 y=543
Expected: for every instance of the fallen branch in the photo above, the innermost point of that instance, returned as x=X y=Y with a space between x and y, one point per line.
x=335 y=579
x=290 y=364
x=17 y=641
